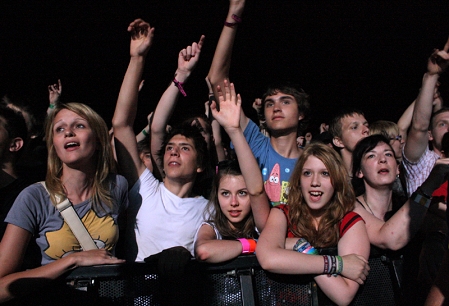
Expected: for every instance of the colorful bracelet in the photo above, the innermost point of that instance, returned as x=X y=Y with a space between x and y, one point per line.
x=248 y=245
x=333 y=265
x=237 y=20
x=303 y=246
x=51 y=106
x=145 y=133
x=179 y=85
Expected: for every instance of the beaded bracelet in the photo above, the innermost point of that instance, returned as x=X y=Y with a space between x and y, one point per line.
x=144 y=132
x=179 y=85
x=237 y=20
x=248 y=245
x=51 y=106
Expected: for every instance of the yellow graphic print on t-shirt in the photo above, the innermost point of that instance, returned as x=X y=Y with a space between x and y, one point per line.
x=103 y=230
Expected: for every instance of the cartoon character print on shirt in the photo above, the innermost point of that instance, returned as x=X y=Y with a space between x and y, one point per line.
x=273 y=184
x=276 y=189
x=104 y=232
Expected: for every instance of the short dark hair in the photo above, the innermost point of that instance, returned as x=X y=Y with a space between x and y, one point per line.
x=14 y=123
x=191 y=132
x=364 y=145
x=301 y=97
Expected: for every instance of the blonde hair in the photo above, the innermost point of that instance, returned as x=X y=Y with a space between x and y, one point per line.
x=386 y=128
x=341 y=203
x=105 y=163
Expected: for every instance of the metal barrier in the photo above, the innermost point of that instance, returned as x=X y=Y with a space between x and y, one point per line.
x=237 y=282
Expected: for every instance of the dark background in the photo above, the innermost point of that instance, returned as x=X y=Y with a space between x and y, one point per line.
x=365 y=54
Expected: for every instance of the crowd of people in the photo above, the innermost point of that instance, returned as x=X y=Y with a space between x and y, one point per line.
x=273 y=187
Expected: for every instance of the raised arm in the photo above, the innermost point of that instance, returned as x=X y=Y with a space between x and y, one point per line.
x=187 y=60
x=229 y=119
x=417 y=138
x=221 y=63
x=54 y=95
x=126 y=108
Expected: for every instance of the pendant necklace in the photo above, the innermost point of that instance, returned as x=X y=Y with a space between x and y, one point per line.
x=366 y=202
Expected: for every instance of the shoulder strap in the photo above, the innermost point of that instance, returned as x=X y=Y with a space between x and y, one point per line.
x=348 y=221
x=74 y=222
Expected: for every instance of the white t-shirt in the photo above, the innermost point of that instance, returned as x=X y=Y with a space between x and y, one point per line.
x=159 y=219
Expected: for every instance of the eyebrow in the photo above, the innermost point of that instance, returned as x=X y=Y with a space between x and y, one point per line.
x=180 y=144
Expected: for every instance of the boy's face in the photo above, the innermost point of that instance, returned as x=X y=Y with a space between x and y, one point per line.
x=440 y=126
x=180 y=159
x=281 y=112
x=353 y=128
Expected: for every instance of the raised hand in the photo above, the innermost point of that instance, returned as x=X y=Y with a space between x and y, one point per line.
x=54 y=92
x=141 y=37
x=230 y=107
x=188 y=57
x=439 y=60
x=355 y=267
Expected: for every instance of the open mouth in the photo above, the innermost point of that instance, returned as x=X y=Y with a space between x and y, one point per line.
x=71 y=145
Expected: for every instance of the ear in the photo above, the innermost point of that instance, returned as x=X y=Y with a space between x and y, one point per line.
x=199 y=170
x=301 y=116
x=397 y=170
x=337 y=142
x=429 y=134
x=360 y=174
x=16 y=144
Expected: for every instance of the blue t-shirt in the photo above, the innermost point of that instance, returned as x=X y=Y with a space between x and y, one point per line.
x=276 y=169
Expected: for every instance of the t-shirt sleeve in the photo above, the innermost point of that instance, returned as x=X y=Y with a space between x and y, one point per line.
x=27 y=208
x=120 y=193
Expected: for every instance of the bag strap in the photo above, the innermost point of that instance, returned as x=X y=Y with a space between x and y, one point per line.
x=74 y=222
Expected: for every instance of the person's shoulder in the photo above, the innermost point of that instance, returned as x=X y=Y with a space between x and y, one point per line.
x=118 y=180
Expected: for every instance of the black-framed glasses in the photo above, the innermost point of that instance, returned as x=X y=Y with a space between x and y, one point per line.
x=398 y=137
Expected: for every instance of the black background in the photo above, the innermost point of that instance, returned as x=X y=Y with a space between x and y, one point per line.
x=365 y=54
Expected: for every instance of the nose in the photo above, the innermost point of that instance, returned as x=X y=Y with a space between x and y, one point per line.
x=382 y=159
x=174 y=152
x=234 y=202
x=69 y=132
x=315 y=181
x=365 y=130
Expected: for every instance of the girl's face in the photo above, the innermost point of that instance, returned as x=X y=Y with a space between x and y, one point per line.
x=73 y=138
x=234 y=199
x=378 y=166
x=316 y=185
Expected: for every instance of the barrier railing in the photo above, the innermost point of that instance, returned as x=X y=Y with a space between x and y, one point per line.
x=238 y=282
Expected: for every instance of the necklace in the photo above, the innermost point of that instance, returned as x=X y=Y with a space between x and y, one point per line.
x=366 y=202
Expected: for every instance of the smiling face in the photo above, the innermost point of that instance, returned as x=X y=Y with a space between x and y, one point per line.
x=73 y=139
x=281 y=112
x=234 y=199
x=316 y=185
x=180 y=159
x=378 y=166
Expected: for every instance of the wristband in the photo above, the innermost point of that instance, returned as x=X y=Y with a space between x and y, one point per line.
x=420 y=199
x=248 y=245
x=179 y=85
x=303 y=246
x=237 y=20
x=144 y=132
x=51 y=106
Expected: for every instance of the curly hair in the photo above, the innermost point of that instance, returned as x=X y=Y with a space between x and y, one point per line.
x=213 y=209
x=342 y=201
x=105 y=163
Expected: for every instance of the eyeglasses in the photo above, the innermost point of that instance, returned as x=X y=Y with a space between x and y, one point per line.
x=399 y=137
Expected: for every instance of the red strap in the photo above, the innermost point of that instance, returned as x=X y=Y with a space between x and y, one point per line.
x=348 y=221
